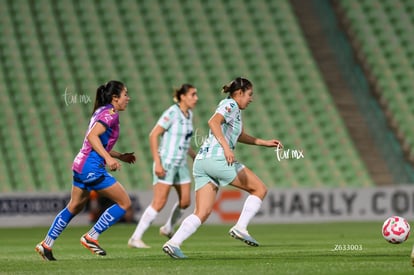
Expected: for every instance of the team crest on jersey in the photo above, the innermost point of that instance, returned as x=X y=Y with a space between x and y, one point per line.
x=228 y=109
x=166 y=119
x=108 y=116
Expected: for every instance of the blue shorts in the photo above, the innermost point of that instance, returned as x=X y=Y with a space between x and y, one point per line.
x=93 y=180
x=214 y=170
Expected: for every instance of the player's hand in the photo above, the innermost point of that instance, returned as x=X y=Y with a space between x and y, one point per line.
x=159 y=171
x=273 y=143
x=127 y=157
x=229 y=155
x=113 y=164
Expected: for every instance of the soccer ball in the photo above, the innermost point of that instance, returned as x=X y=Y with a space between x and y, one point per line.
x=396 y=230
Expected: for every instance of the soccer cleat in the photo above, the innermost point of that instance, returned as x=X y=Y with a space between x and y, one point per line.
x=132 y=243
x=165 y=232
x=92 y=245
x=243 y=236
x=173 y=251
x=45 y=252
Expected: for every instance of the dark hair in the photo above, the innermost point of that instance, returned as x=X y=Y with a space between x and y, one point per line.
x=237 y=84
x=181 y=91
x=106 y=92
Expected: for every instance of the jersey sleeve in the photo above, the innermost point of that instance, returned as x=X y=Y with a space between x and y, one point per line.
x=167 y=118
x=109 y=118
x=227 y=110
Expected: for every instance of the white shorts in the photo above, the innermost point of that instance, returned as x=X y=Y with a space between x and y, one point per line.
x=214 y=170
x=174 y=175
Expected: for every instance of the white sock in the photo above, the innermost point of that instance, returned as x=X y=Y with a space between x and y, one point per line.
x=187 y=228
x=93 y=234
x=250 y=208
x=147 y=218
x=49 y=241
x=175 y=215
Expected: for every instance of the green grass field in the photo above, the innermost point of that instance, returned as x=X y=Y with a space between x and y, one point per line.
x=325 y=248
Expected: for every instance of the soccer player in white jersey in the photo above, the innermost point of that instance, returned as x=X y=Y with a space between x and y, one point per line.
x=215 y=165
x=170 y=169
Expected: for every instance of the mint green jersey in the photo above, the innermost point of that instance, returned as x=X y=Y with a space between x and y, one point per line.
x=176 y=139
x=231 y=128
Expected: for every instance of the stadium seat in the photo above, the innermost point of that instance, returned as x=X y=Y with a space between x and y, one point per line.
x=382 y=30
x=155 y=46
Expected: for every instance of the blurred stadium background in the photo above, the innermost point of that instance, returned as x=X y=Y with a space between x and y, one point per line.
x=331 y=78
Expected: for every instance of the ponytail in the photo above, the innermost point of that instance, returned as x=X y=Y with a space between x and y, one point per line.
x=106 y=92
x=237 y=84
x=181 y=91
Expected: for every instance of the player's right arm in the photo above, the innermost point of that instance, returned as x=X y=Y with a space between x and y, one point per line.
x=156 y=132
x=248 y=139
x=215 y=126
x=93 y=138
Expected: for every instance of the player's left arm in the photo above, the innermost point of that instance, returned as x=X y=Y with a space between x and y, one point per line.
x=125 y=157
x=248 y=139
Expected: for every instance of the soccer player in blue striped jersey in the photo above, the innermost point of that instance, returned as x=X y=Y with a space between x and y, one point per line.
x=215 y=165
x=174 y=129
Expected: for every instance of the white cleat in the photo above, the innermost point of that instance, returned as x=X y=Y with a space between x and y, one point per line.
x=243 y=236
x=173 y=251
x=165 y=232
x=137 y=244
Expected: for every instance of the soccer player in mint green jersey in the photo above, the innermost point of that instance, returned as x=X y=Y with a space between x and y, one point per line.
x=215 y=165
x=175 y=127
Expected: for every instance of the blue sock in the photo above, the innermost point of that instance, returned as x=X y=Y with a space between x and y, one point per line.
x=107 y=219
x=59 y=224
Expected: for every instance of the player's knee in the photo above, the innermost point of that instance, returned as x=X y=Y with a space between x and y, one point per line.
x=260 y=191
x=158 y=205
x=264 y=191
x=184 y=204
x=76 y=205
x=76 y=210
x=125 y=203
x=203 y=215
